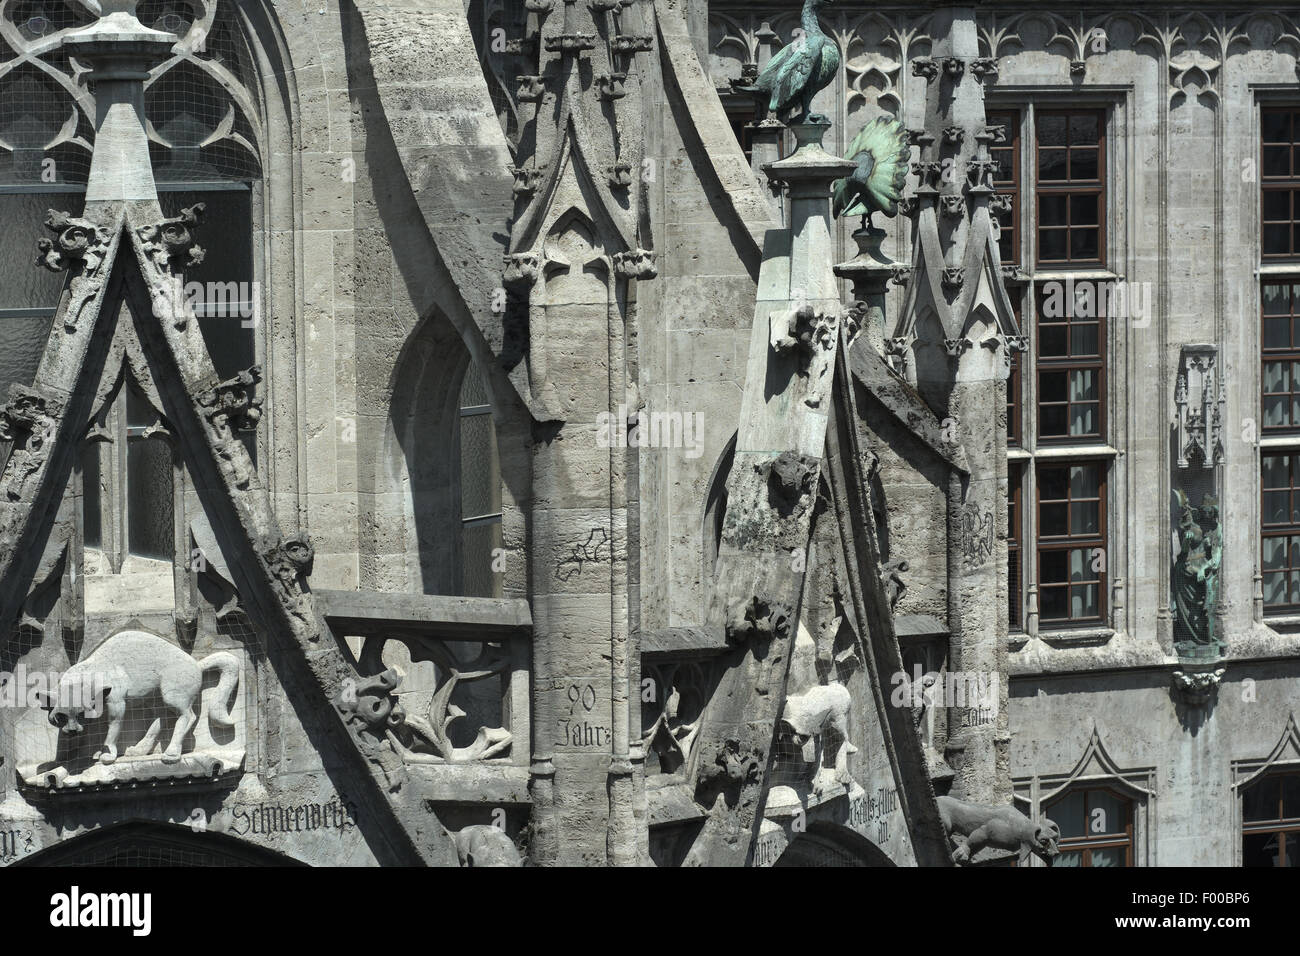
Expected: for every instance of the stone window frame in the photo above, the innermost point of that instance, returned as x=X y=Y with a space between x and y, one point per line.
x=1289 y=183
x=1284 y=757
x=1096 y=769
x=1022 y=276
x=1282 y=441
x=1283 y=530
x=1071 y=541
x=1085 y=845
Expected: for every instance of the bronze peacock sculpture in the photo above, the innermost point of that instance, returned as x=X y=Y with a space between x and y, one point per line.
x=802 y=70
x=883 y=159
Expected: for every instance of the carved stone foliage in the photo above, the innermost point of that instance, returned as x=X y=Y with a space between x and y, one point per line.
x=672 y=718
x=79 y=242
x=758 y=618
x=28 y=420
x=419 y=725
x=232 y=406
x=290 y=563
x=170 y=244
x=1196 y=688
x=133 y=711
x=727 y=773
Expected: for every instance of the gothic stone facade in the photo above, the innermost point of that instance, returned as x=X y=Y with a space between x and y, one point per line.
x=458 y=432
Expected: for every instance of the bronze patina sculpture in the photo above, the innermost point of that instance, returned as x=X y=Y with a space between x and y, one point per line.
x=801 y=70
x=1196 y=575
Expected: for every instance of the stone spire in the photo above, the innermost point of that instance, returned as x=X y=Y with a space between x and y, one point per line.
x=954 y=335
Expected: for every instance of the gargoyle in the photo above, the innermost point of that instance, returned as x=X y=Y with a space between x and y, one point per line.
x=972 y=827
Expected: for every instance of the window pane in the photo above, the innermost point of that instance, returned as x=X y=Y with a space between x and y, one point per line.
x=1085 y=481
x=1051 y=244
x=27 y=285
x=1051 y=129
x=1085 y=130
x=1275 y=126
x=1260 y=849
x=1277 y=160
x=478 y=543
x=149 y=480
x=1083 y=164
x=1083 y=210
x=480 y=489
x=1052 y=210
x=221 y=286
x=1277 y=205
x=92 y=495
x=1068 y=814
x=1277 y=240
x=22 y=343
x=1108 y=856
x=1083 y=385
x=1084 y=244
x=1085 y=518
x=1260 y=802
x=1054 y=567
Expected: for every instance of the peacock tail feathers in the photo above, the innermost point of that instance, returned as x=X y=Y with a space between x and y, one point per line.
x=885 y=140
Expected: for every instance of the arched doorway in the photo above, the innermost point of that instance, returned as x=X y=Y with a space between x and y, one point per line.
x=827 y=846
x=140 y=843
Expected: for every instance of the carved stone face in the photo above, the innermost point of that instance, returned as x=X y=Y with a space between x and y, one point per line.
x=79 y=702
x=1046 y=835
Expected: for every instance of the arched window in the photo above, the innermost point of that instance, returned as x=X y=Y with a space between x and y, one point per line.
x=1270 y=821
x=204 y=128
x=1096 y=827
x=480 y=490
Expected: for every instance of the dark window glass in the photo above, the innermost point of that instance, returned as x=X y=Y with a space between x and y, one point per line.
x=1071 y=542
x=1070 y=153
x=1096 y=827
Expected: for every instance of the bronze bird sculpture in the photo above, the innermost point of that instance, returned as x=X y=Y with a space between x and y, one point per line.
x=883 y=159
x=800 y=71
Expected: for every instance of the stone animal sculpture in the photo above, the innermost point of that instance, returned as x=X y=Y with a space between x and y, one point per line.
x=486 y=845
x=801 y=70
x=132 y=665
x=883 y=159
x=972 y=827
x=822 y=711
